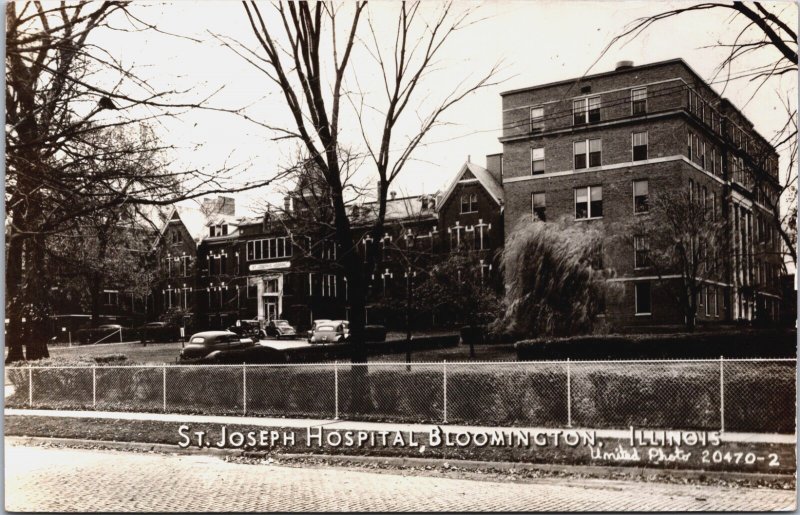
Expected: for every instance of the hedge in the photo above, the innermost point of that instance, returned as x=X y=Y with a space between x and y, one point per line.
x=701 y=345
x=759 y=397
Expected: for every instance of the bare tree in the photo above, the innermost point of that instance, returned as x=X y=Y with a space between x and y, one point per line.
x=681 y=236
x=300 y=50
x=62 y=90
x=766 y=36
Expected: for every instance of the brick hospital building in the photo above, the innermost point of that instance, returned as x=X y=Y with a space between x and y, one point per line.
x=599 y=149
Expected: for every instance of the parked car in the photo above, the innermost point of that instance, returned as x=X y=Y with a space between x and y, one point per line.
x=280 y=329
x=159 y=332
x=202 y=344
x=256 y=354
x=335 y=331
x=248 y=329
x=314 y=325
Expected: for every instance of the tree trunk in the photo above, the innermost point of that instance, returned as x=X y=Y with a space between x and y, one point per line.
x=13 y=301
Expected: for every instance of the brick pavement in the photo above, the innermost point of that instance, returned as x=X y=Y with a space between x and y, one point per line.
x=51 y=479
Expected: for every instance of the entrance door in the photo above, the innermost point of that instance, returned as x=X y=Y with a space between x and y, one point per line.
x=271 y=309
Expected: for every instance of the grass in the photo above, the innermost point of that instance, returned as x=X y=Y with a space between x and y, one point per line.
x=153 y=353
x=157 y=353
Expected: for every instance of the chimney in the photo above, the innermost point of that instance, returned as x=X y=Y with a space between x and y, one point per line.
x=287 y=203
x=624 y=65
x=494 y=164
x=219 y=206
x=392 y=194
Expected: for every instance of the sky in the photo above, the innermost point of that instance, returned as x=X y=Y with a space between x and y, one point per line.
x=536 y=41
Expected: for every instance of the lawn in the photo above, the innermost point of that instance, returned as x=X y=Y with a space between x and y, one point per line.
x=157 y=353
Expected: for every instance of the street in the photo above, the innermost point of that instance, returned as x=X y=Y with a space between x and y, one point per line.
x=58 y=479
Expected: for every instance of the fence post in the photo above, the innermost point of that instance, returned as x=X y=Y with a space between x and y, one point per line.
x=120 y=335
x=569 y=396
x=94 y=386
x=336 y=390
x=244 y=388
x=164 y=385
x=721 y=396
x=30 y=386
x=444 y=388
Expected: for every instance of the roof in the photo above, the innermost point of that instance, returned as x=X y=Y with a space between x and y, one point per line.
x=397 y=209
x=194 y=220
x=602 y=74
x=484 y=177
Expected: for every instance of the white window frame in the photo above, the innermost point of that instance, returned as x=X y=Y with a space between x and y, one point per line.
x=542 y=160
x=257 y=250
x=537 y=123
x=588 y=190
x=587 y=154
x=473 y=206
x=633 y=196
x=633 y=145
x=584 y=107
x=634 y=100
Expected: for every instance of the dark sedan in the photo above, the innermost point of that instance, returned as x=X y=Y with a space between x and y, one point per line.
x=202 y=344
x=280 y=329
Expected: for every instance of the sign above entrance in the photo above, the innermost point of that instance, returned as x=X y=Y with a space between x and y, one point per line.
x=270 y=266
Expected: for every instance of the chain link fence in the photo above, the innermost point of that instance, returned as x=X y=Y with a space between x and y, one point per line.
x=732 y=395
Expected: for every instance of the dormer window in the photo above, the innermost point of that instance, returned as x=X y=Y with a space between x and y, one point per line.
x=218 y=230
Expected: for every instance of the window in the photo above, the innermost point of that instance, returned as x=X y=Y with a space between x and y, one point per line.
x=594 y=109
x=594 y=155
x=640 y=146
x=185 y=265
x=702 y=155
x=579 y=149
x=110 y=297
x=218 y=230
x=539 y=202
x=643 y=301
x=689 y=150
x=714 y=301
x=713 y=161
x=269 y=248
x=641 y=257
x=588 y=202
x=328 y=285
x=176 y=237
x=641 y=197
x=696 y=148
x=705 y=299
x=537 y=119
x=469 y=203
x=586 y=110
x=639 y=101
x=537 y=161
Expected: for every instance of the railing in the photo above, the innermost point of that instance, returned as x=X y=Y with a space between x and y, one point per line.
x=755 y=395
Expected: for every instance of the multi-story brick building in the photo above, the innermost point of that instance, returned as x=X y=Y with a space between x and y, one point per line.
x=284 y=266
x=600 y=148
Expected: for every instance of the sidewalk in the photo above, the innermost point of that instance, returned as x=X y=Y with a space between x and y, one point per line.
x=353 y=425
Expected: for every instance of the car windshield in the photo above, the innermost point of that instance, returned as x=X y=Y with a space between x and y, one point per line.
x=325 y=328
x=198 y=339
x=281 y=323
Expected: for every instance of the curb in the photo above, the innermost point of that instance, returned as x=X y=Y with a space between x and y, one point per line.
x=595 y=471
